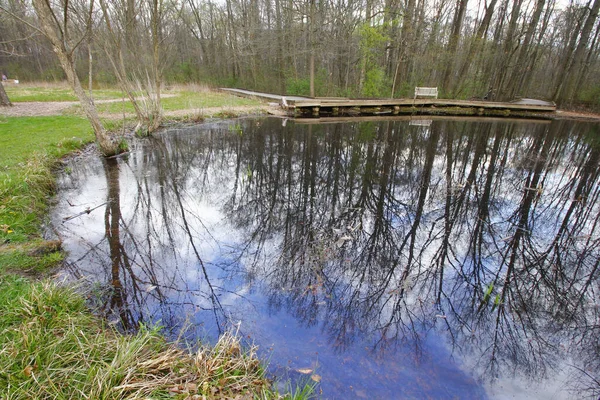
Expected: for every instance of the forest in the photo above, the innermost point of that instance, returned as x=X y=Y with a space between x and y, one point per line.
x=490 y=49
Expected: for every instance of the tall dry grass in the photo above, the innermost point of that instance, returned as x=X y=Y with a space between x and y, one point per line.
x=53 y=347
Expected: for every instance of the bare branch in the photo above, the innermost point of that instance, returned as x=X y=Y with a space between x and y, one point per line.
x=18 y=18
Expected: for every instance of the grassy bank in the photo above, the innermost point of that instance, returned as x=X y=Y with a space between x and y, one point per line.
x=51 y=344
x=53 y=347
x=29 y=148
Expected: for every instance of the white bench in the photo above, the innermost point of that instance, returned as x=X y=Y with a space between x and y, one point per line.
x=426 y=92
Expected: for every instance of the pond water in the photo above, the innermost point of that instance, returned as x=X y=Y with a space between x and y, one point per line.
x=389 y=259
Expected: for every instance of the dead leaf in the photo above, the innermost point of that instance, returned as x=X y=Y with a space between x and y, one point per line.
x=305 y=371
x=316 y=378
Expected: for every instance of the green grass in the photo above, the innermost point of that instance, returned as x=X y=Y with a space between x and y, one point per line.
x=21 y=136
x=205 y=99
x=33 y=258
x=185 y=100
x=24 y=92
x=52 y=346
x=29 y=147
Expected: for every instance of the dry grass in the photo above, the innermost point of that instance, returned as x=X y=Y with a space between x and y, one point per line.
x=53 y=347
x=223 y=371
x=189 y=87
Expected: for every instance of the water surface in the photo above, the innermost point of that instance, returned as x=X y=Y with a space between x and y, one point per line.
x=443 y=259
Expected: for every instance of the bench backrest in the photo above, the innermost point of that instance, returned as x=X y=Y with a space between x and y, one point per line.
x=426 y=91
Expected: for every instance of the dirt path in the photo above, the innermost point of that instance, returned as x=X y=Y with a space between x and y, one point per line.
x=46 y=108
x=36 y=108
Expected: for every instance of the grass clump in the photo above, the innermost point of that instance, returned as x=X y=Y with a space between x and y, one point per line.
x=22 y=193
x=53 y=347
x=32 y=258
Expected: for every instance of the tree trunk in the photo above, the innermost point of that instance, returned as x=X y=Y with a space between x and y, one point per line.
x=519 y=70
x=90 y=68
x=586 y=65
x=509 y=48
x=475 y=46
x=107 y=146
x=148 y=110
x=566 y=92
x=4 y=100
x=311 y=44
x=459 y=16
x=206 y=57
x=528 y=77
x=405 y=44
x=565 y=59
x=156 y=110
x=280 y=47
x=56 y=34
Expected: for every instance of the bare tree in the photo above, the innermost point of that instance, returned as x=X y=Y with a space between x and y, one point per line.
x=567 y=87
x=59 y=32
x=323 y=47
x=138 y=71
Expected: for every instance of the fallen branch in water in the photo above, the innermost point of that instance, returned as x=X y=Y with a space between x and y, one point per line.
x=86 y=211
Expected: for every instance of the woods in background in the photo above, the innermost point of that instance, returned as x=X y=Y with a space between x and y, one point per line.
x=494 y=49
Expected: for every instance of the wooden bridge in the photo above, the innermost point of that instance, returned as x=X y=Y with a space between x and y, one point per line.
x=337 y=106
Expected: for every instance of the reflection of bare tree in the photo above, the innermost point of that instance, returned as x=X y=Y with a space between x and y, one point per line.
x=118 y=258
x=487 y=232
x=173 y=165
x=140 y=251
x=380 y=243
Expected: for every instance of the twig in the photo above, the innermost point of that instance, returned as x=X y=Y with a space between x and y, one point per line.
x=86 y=211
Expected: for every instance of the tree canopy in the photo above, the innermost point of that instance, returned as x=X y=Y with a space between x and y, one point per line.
x=498 y=49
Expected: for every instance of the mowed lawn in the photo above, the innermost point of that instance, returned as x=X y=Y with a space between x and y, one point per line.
x=29 y=147
x=183 y=100
x=22 y=136
x=52 y=92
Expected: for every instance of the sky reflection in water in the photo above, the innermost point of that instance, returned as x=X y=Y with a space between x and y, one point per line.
x=457 y=259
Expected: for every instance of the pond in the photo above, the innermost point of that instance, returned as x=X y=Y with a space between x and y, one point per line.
x=386 y=259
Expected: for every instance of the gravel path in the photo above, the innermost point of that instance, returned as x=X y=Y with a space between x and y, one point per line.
x=46 y=108
x=36 y=108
